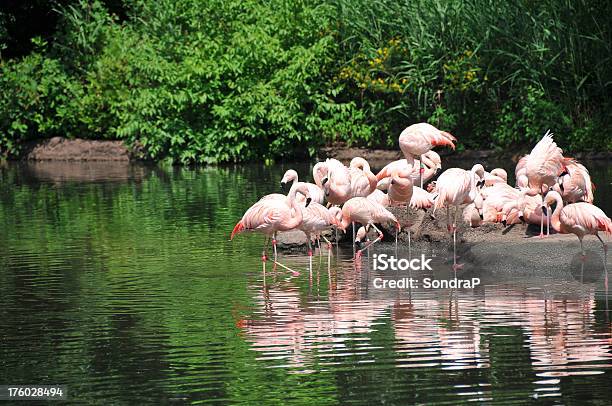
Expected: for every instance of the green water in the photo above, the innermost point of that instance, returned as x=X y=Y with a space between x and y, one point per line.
x=119 y=281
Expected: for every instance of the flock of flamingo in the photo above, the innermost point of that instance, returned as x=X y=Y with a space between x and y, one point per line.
x=544 y=179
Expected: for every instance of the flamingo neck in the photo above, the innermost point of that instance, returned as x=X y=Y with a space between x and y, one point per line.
x=296 y=217
x=555 y=220
x=473 y=190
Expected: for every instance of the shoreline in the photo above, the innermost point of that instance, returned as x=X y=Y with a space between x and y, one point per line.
x=80 y=149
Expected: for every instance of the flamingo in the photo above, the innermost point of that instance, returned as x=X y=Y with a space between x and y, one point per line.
x=317 y=218
x=580 y=219
x=419 y=138
x=366 y=212
x=520 y=173
x=455 y=187
x=431 y=161
x=379 y=197
x=335 y=180
x=543 y=165
x=471 y=216
x=497 y=175
x=363 y=181
x=495 y=198
x=421 y=199
x=575 y=185
x=314 y=191
x=271 y=215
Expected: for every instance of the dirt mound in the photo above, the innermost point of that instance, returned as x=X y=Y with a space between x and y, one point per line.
x=63 y=149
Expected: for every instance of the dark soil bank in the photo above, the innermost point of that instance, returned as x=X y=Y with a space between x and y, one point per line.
x=63 y=149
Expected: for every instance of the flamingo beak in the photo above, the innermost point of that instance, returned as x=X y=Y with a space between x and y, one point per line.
x=324 y=180
x=504 y=223
x=544 y=210
x=481 y=215
x=283 y=185
x=308 y=200
x=522 y=218
x=480 y=183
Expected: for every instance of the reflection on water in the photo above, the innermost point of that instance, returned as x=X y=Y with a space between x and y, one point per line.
x=120 y=282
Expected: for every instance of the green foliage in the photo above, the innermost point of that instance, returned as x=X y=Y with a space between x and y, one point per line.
x=221 y=81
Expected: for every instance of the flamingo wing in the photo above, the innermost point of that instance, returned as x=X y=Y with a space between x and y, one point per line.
x=586 y=216
x=546 y=159
x=421 y=199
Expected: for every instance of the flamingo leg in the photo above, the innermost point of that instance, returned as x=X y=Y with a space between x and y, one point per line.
x=264 y=255
x=542 y=226
x=309 y=256
x=274 y=245
x=448 y=224
x=379 y=238
x=421 y=170
x=582 y=249
x=455 y=264
x=295 y=273
x=353 y=225
x=605 y=250
x=547 y=225
x=409 y=243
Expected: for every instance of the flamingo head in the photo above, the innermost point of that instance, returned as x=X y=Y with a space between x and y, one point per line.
x=336 y=213
x=289 y=176
x=360 y=236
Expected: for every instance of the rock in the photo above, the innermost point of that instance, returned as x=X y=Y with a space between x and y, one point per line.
x=291 y=240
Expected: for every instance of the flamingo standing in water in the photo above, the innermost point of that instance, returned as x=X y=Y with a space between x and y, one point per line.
x=268 y=216
x=419 y=138
x=580 y=219
x=366 y=212
x=456 y=187
x=314 y=191
x=317 y=218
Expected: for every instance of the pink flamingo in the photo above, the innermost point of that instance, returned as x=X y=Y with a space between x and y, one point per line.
x=575 y=185
x=431 y=162
x=366 y=212
x=421 y=199
x=580 y=219
x=456 y=187
x=543 y=165
x=314 y=191
x=471 y=216
x=520 y=173
x=419 y=138
x=268 y=216
x=379 y=197
x=497 y=175
x=335 y=180
x=317 y=218
x=400 y=187
x=363 y=181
